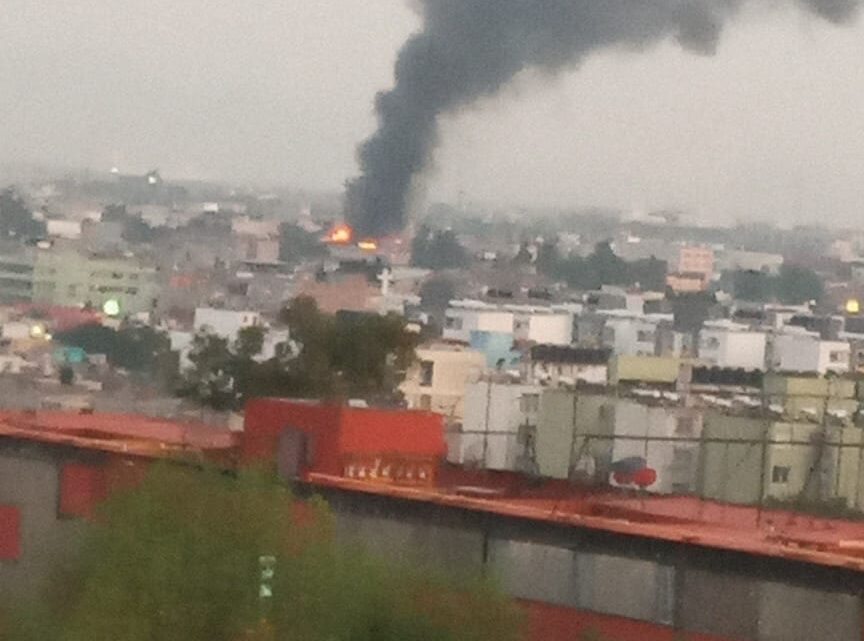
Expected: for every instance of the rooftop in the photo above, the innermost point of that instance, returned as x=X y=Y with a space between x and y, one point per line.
x=119 y=433
x=680 y=519
x=569 y=354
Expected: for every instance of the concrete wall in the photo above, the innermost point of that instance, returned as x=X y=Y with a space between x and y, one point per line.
x=556 y=427
x=224 y=322
x=696 y=590
x=460 y=322
x=452 y=370
x=494 y=415
x=630 y=336
x=71 y=278
x=547 y=329
x=647 y=369
x=722 y=347
x=732 y=470
x=29 y=480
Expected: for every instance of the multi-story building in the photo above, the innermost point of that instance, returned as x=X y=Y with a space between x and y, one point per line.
x=803 y=351
x=256 y=241
x=739 y=259
x=585 y=435
x=732 y=345
x=693 y=270
x=748 y=459
x=630 y=335
x=225 y=322
x=546 y=325
x=16 y=277
x=64 y=277
x=68 y=278
x=437 y=381
x=579 y=562
x=556 y=365
x=55 y=467
x=693 y=259
x=496 y=424
x=811 y=398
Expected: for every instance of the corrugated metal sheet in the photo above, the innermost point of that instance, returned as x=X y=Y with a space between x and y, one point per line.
x=10 y=533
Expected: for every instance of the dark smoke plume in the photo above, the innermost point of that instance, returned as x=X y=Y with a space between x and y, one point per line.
x=469 y=49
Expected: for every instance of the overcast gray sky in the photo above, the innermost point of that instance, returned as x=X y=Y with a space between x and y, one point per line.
x=772 y=127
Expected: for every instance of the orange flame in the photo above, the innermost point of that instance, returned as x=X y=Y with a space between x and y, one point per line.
x=340 y=234
x=368 y=245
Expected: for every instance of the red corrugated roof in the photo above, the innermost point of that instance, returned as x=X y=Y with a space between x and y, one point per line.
x=121 y=433
x=828 y=542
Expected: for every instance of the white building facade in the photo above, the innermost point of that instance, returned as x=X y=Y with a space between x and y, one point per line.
x=806 y=352
x=732 y=345
x=225 y=322
x=542 y=325
x=497 y=418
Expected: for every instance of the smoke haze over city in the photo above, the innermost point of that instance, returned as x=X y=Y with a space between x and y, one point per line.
x=768 y=127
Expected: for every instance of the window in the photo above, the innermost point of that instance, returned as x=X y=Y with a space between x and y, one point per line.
x=425 y=402
x=10 y=533
x=529 y=403
x=294 y=454
x=453 y=322
x=710 y=342
x=645 y=336
x=780 y=474
x=837 y=357
x=427 y=373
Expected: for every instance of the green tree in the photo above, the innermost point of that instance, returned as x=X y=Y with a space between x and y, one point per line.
x=16 y=220
x=371 y=354
x=605 y=268
x=67 y=375
x=602 y=267
x=796 y=285
x=649 y=274
x=313 y=371
x=114 y=213
x=356 y=355
x=210 y=379
x=180 y=557
x=438 y=250
x=436 y=294
x=549 y=260
x=362 y=355
x=137 y=230
x=250 y=342
x=752 y=286
x=137 y=348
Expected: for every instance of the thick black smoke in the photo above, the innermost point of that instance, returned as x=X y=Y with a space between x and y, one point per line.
x=472 y=48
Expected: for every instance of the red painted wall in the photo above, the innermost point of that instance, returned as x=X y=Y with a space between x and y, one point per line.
x=82 y=488
x=340 y=433
x=369 y=431
x=10 y=533
x=265 y=420
x=554 y=623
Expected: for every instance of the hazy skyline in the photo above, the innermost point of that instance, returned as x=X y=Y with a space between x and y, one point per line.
x=772 y=126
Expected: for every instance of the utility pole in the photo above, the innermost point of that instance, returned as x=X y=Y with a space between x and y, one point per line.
x=267 y=565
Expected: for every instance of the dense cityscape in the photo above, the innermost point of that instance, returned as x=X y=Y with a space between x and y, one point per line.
x=269 y=394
